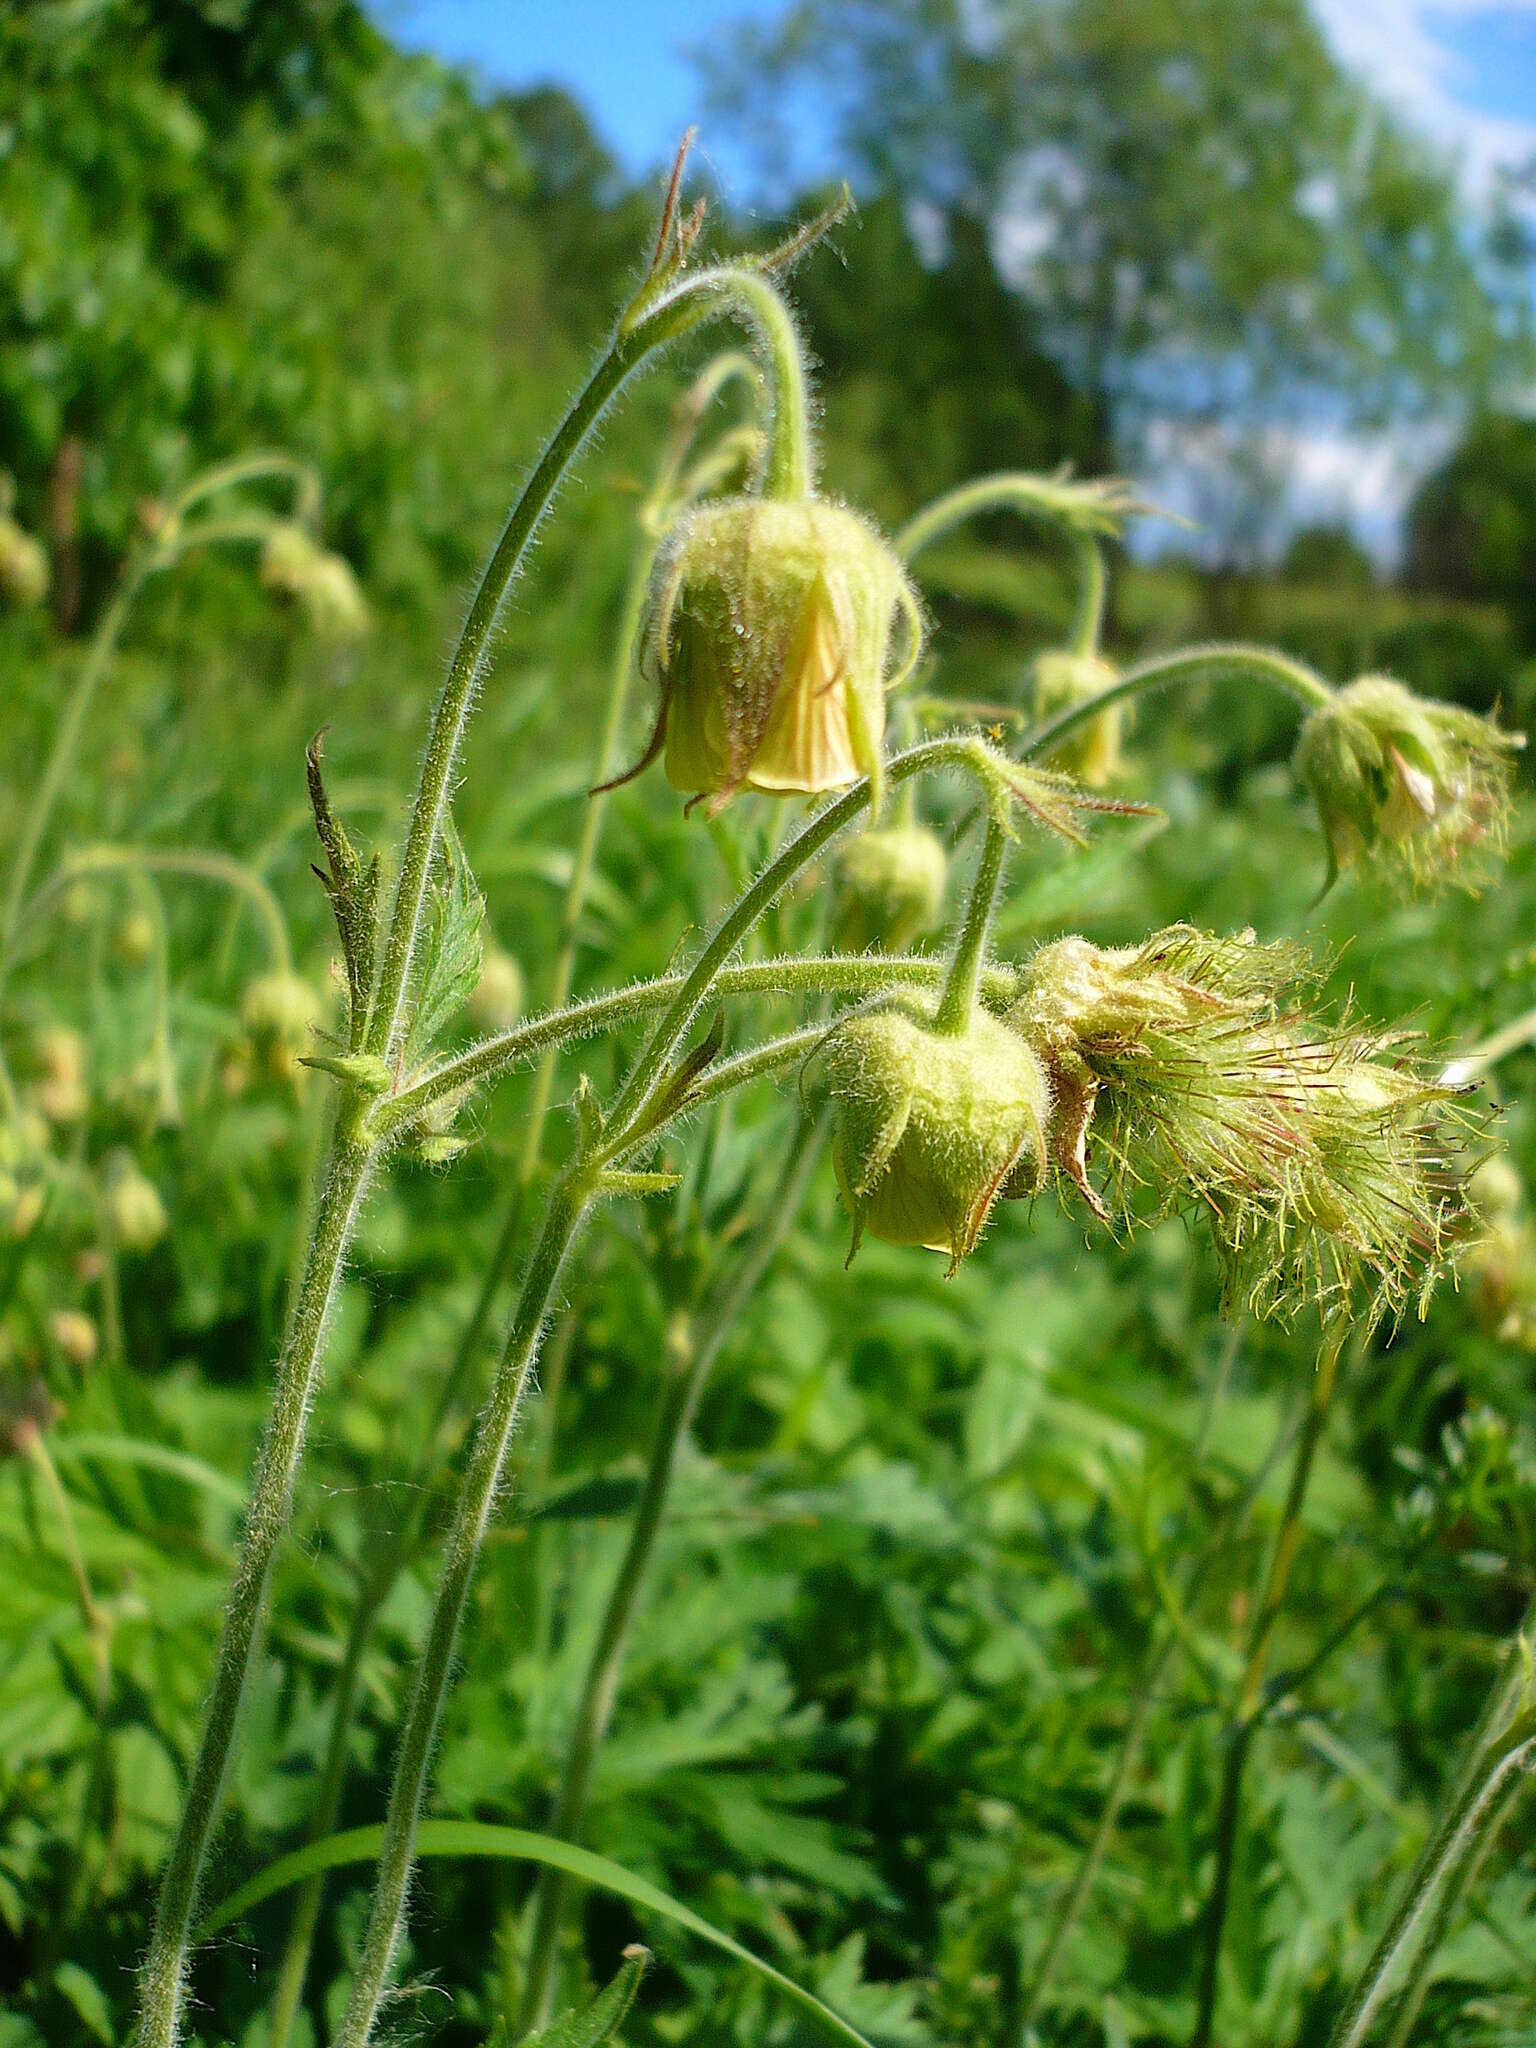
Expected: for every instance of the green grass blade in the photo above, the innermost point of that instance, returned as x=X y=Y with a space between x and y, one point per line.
x=128 y=1450
x=517 y=1845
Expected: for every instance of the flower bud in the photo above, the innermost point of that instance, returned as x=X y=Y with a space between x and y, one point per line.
x=1405 y=783
x=24 y=571
x=930 y=1128
x=279 y=1011
x=60 y=1091
x=771 y=626
x=1062 y=680
x=135 y=1213
x=1317 y=1153
x=75 y=1335
x=497 y=1001
x=295 y=566
x=890 y=887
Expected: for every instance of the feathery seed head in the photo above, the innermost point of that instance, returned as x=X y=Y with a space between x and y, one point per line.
x=1319 y=1153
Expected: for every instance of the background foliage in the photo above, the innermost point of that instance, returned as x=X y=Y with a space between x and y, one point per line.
x=926 y=1529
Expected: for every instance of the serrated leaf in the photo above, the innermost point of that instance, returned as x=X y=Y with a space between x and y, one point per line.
x=602 y=2018
x=354 y=893
x=455 y=944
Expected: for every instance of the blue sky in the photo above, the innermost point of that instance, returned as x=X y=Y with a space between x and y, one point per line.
x=1463 y=70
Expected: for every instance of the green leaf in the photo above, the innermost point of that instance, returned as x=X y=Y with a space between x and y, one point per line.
x=354 y=893
x=602 y=2018
x=87 y=1997
x=451 y=963
x=517 y=1845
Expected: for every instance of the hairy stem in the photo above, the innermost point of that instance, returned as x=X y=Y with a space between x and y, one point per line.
x=684 y=307
x=1247 y=1709
x=568 y=1206
x=163 y=1980
x=1462 y=1833
x=1219 y=659
x=1088 y=621
x=958 y=1001
x=605 y=1664
x=1500 y=1710
x=828 y=974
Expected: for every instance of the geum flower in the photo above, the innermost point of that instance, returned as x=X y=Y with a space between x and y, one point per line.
x=772 y=635
x=1192 y=1068
x=1406 y=784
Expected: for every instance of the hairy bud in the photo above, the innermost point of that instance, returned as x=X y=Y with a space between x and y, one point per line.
x=770 y=629
x=931 y=1128
x=24 y=572
x=1406 y=784
x=890 y=887
x=60 y=1090
x=134 y=1211
x=1062 y=680
x=1318 y=1153
x=295 y=566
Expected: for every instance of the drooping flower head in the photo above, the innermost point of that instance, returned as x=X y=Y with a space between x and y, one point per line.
x=890 y=886
x=1405 y=783
x=278 y=1012
x=1190 y=1068
x=931 y=1128
x=295 y=566
x=1060 y=681
x=776 y=626
x=24 y=571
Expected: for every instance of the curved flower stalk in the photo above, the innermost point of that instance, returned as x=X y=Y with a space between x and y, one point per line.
x=1412 y=787
x=171 y=533
x=671 y=303
x=1087 y=511
x=1405 y=784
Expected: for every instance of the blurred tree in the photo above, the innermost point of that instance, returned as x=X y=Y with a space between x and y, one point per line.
x=1209 y=214
x=1329 y=556
x=149 y=151
x=1471 y=529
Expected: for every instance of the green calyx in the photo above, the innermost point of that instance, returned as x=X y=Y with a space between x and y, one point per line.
x=890 y=886
x=1060 y=681
x=776 y=628
x=930 y=1129
x=1406 y=784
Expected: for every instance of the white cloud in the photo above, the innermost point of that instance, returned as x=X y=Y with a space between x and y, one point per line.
x=1402 y=48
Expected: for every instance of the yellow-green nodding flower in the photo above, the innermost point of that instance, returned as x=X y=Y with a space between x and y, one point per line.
x=1193 y=1068
x=775 y=629
x=930 y=1129
x=890 y=887
x=1060 y=681
x=279 y=1011
x=24 y=571
x=134 y=1212
x=1407 y=784
x=296 y=567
